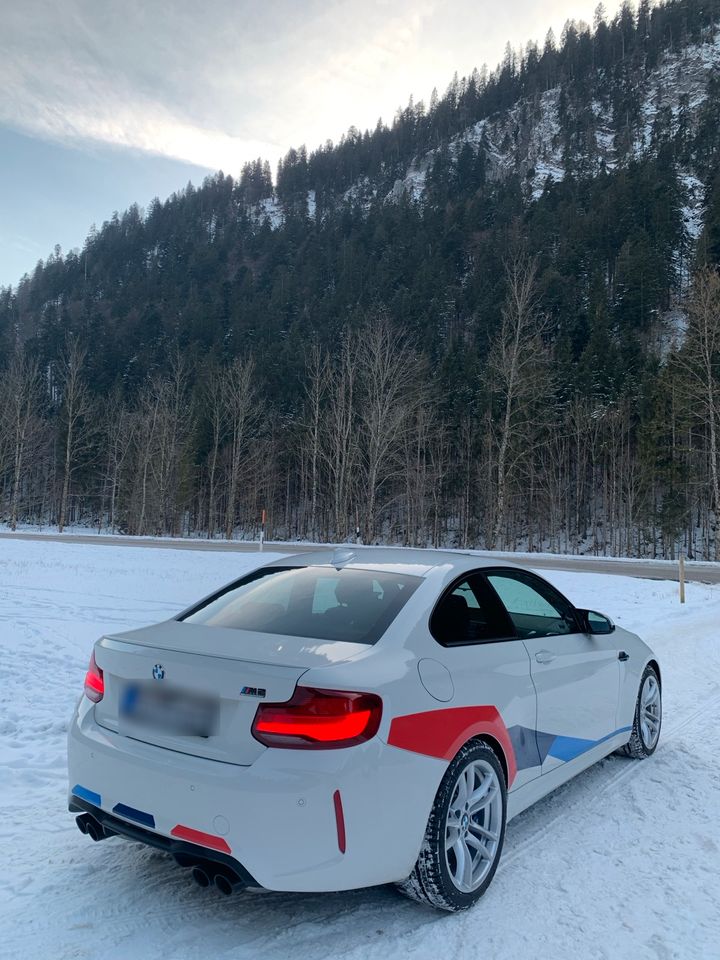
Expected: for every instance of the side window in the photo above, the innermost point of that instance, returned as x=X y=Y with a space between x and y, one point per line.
x=469 y=613
x=535 y=609
x=324 y=596
x=465 y=591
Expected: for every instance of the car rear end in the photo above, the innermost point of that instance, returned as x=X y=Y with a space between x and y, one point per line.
x=250 y=755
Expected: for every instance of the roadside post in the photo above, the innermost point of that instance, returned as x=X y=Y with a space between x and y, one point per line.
x=682 y=578
x=262 y=531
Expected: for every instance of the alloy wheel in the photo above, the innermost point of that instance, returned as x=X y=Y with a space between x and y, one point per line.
x=473 y=827
x=650 y=711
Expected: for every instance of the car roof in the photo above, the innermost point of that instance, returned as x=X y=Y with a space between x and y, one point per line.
x=403 y=560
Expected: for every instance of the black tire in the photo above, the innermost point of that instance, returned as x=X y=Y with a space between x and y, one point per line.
x=637 y=746
x=431 y=881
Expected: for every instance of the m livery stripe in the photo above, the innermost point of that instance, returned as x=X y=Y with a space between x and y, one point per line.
x=198 y=836
x=441 y=733
x=567 y=748
x=526 y=747
x=88 y=795
x=130 y=813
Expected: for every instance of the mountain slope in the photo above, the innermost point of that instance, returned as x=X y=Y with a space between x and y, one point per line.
x=594 y=161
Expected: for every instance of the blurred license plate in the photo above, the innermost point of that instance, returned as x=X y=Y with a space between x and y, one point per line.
x=169 y=710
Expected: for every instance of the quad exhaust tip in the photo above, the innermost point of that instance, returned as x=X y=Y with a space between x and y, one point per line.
x=200 y=877
x=88 y=825
x=205 y=878
x=224 y=885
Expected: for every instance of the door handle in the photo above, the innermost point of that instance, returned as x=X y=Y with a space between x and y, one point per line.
x=544 y=656
x=623 y=656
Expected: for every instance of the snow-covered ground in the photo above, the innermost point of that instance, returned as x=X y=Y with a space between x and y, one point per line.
x=624 y=862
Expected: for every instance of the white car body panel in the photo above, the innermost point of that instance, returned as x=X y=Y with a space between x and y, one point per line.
x=274 y=807
x=276 y=815
x=577 y=675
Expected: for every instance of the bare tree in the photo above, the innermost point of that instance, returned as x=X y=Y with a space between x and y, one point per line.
x=173 y=422
x=161 y=428
x=427 y=452
x=213 y=401
x=387 y=368
x=515 y=375
x=372 y=449
x=76 y=407
x=339 y=443
x=241 y=415
x=118 y=427
x=20 y=425
x=700 y=361
x=439 y=459
x=417 y=470
x=579 y=418
x=145 y=427
x=316 y=385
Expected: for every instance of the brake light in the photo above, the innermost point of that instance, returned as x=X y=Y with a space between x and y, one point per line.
x=318 y=720
x=94 y=683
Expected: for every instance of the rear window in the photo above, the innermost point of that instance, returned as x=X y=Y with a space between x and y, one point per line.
x=356 y=606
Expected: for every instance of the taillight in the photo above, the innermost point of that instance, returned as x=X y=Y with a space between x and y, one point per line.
x=94 y=683
x=318 y=720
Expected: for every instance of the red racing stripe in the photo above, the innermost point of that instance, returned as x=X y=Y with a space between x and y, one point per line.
x=441 y=733
x=197 y=836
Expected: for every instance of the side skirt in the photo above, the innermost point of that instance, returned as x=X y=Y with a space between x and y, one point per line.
x=525 y=796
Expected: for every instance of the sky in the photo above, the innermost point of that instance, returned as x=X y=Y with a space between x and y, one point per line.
x=103 y=104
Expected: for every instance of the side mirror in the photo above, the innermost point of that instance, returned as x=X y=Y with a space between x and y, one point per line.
x=596 y=622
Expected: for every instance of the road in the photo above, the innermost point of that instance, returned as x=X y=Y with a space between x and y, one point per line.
x=645 y=569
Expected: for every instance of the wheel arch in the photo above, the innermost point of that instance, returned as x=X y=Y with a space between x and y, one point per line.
x=496 y=748
x=652 y=662
x=443 y=734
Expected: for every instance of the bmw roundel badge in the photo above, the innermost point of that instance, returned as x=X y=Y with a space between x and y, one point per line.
x=159 y=671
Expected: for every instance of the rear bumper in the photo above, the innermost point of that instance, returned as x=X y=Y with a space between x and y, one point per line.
x=184 y=853
x=276 y=820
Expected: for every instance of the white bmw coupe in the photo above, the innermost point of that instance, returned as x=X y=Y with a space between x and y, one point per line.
x=354 y=717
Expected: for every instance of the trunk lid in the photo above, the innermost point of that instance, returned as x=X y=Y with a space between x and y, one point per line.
x=195 y=689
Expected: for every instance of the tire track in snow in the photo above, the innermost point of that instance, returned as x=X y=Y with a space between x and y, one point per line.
x=626 y=766
x=64 y=897
x=267 y=933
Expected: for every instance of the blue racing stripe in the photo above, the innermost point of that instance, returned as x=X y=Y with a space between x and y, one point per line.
x=130 y=813
x=88 y=795
x=567 y=748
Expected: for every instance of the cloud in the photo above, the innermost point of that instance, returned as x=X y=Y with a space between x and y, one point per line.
x=150 y=127
x=22 y=244
x=218 y=83
x=71 y=80
x=365 y=65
